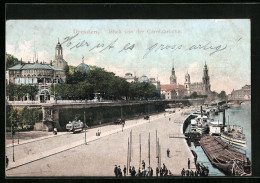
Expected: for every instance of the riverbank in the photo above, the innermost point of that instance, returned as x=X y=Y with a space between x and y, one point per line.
x=74 y=158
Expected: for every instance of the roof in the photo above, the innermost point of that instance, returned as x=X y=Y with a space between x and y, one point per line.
x=34 y=66
x=83 y=67
x=143 y=79
x=172 y=87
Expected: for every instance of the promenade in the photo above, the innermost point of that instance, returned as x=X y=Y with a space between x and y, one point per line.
x=67 y=154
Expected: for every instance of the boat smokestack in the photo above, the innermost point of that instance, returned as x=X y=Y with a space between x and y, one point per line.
x=224 y=118
x=201 y=110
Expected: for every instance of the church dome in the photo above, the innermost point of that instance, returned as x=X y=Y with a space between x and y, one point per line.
x=83 y=68
x=143 y=79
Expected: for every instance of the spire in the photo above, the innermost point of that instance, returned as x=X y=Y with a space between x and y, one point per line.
x=83 y=59
x=58 y=40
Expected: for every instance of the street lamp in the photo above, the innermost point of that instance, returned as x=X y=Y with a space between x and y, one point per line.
x=85 y=129
x=12 y=141
x=18 y=134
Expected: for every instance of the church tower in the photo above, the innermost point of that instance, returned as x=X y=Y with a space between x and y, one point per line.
x=173 y=78
x=205 y=79
x=187 y=84
x=58 y=51
x=59 y=61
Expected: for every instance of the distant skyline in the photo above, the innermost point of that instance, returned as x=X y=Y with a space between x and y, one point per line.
x=225 y=47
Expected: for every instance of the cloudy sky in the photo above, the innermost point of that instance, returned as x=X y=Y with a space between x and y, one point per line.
x=143 y=47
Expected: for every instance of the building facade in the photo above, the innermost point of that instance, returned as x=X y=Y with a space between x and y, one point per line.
x=243 y=94
x=41 y=75
x=202 y=88
x=130 y=78
x=59 y=61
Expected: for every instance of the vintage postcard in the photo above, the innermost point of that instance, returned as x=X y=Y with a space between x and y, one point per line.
x=128 y=98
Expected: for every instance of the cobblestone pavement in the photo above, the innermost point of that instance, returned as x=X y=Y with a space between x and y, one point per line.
x=99 y=156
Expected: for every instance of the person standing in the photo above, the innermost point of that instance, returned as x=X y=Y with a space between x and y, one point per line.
x=188 y=163
x=161 y=172
x=157 y=171
x=119 y=173
x=151 y=172
x=168 y=152
x=6 y=161
x=183 y=172
x=115 y=170
x=124 y=171
x=143 y=163
x=191 y=173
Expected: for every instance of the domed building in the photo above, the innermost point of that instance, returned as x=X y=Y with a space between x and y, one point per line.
x=143 y=79
x=83 y=67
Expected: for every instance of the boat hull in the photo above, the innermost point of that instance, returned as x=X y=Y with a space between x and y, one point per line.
x=233 y=141
x=225 y=157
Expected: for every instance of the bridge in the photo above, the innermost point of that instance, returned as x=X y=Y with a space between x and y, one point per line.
x=240 y=101
x=51 y=111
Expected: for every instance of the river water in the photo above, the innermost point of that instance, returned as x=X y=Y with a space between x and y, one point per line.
x=240 y=116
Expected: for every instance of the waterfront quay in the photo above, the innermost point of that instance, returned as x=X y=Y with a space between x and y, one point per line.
x=67 y=154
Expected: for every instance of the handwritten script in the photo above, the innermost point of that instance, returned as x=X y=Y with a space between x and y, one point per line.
x=74 y=42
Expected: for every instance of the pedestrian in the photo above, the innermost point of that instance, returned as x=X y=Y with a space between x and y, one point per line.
x=130 y=169
x=143 y=163
x=188 y=163
x=157 y=171
x=133 y=172
x=119 y=172
x=197 y=166
x=139 y=172
x=124 y=171
x=161 y=172
x=164 y=167
x=196 y=173
x=187 y=173
x=151 y=172
x=166 y=172
x=115 y=170
x=195 y=160
x=169 y=119
x=191 y=173
x=6 y=161
x=168 y=152
x=183 y=172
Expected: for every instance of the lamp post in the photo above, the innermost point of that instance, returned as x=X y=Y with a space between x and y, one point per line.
x=85 y=129
x=18 y=134
x=12 y=141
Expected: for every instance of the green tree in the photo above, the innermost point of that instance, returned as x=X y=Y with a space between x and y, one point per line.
x=222 y=95
x=13 y=118
x=194 y=95
x=11 y=60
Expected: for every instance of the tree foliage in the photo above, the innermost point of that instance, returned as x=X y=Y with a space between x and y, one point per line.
x=11 y=60
x=19 y=91
x=222 y=95
x=81 y=85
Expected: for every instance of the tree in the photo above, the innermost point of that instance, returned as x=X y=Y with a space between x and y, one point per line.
x=11 y=60
x=222 y=95
x=194 y=95
x=13 y=118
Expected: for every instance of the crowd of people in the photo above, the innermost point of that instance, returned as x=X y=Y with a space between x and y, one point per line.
x=201 y=171
x=143 y=172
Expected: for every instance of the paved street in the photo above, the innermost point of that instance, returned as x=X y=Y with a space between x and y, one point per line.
x=66 y=155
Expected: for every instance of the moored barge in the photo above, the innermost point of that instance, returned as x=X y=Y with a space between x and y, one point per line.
x=226 y=158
